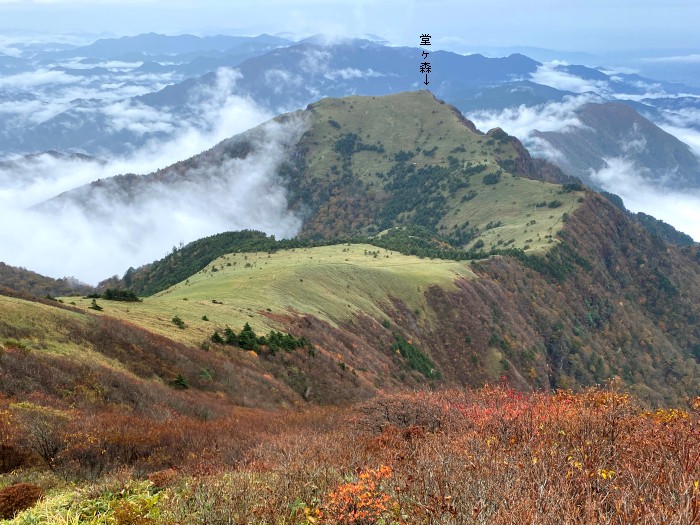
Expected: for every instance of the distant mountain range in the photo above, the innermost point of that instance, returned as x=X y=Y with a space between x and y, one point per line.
x=279 y=75
x=159 y=46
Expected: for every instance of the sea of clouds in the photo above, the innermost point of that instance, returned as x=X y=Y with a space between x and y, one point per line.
x=106 y=237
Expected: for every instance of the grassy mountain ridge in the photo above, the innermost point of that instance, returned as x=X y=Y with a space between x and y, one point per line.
x=333 y=283
x=559 y=295
x=608 y=300
x=371 y=163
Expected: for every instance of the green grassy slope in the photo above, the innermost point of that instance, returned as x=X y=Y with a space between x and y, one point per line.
x=332 y=283
x=365 y=165
x=376 y=162
x=34 y=327
x=75 y=359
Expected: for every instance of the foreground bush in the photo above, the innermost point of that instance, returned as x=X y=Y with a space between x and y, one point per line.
x=492 y=456
x=18 y=497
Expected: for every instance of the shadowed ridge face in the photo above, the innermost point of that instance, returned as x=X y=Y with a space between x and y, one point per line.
x=614 y=130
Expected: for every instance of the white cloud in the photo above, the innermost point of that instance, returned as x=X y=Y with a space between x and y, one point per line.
x=682 y=210
x=635 y=142
x=8 y=49
x=684 y=59
x=684 y=125
x=548 y=75
x=29 y=80
x=24 y=183
x=281 y=79
x=540 y=147
x=137 y=118
x=524 y=120
x=112 y=65
x=106 y=238
x=685 y=134
x=315 y=61
x=350 y=73
x=54 y=92
x=618 y=70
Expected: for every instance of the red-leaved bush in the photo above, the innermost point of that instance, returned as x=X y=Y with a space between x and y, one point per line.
x=16 y=498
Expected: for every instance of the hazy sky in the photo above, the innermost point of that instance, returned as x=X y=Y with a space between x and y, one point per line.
x=580 y=25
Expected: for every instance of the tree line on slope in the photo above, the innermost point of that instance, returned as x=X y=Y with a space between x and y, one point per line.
x=409 y=240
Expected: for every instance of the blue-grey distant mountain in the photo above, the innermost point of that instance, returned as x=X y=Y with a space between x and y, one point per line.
x=536 y=53
x=12 y=65
x=89 y=72
x=616 y=130
x=297 y=75
x=156 y=44
x=508 y=95
x=282 y=76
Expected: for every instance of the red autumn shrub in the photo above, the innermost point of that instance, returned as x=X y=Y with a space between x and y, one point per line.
x=362 y=502
x=16 y=498
x=163 y=478
x=11 y=458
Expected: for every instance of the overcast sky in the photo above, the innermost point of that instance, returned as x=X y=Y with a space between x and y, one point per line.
x=570 y=25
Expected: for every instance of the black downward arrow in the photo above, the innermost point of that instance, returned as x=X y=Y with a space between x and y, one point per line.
x=426 y=79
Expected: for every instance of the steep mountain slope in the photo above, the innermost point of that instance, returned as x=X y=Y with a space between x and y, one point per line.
x=615 y=130
x=608 y=300
x=574 y=292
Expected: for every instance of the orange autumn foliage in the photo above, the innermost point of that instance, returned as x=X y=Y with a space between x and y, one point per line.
x=363 y=501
